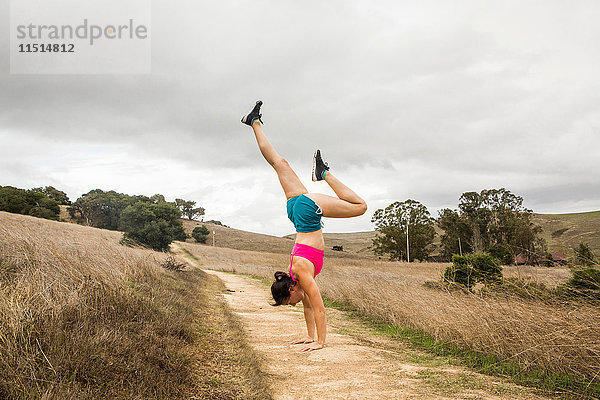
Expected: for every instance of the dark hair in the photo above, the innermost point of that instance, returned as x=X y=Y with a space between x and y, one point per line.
x=280 y=289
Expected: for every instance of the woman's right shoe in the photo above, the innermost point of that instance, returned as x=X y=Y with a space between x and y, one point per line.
x=319 y=166
x=253 y=115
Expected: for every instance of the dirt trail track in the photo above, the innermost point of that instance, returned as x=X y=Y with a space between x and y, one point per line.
x=356 y=364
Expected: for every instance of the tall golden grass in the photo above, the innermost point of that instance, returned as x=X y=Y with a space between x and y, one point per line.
x=533 y=333
x=82 y=316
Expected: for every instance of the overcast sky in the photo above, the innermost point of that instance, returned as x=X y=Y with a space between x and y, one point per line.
x=422 y=100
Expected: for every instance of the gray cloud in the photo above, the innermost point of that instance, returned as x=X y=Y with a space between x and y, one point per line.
x=434 y=99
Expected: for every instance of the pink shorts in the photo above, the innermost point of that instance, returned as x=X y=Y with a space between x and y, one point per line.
x=312 y=254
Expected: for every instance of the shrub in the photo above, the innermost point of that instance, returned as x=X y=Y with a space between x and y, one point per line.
x=584 y=284
x=584 y=254
x=460 y=272
x=200 y=233
x=548 y=260
x=586 y=279
x=487 y=267
x=172 y=264
x=469 y=269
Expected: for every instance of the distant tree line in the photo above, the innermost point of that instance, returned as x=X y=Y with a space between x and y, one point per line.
x=37 y=202
x=492 y=221
x=151 y=221
x=488 y=229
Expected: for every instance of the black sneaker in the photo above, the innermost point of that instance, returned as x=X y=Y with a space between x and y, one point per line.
x=253 y=115
x=319 y=167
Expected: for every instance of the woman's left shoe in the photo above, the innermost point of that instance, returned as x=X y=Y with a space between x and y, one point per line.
x=253 y=115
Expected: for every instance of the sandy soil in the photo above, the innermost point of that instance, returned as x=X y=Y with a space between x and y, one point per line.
x=356 y=364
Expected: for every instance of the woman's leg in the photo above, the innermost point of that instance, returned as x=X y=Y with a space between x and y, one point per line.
x=347 y=204
x=287 y=177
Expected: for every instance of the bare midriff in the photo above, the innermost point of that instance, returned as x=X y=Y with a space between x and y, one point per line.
x=313 y=239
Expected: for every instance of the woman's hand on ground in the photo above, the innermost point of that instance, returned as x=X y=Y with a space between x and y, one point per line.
x=311 y=347
x=304 y=340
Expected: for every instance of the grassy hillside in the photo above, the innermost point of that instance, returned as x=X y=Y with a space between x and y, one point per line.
x=240 y=240
x=355 y=243
x=84 y=317
x=563 y=232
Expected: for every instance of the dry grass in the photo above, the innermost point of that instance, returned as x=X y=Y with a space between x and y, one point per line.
x=551 y=277
x=226 y=367
x=536 y=335
x=84 y=317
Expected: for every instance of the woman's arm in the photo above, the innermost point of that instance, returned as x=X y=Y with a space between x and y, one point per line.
x=311 y=291
x=309 y=317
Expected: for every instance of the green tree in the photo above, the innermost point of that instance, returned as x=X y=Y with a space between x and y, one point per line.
x=102 y=209
x=13 y=200
x=200 y=233
x=476 y=216
x=105 y=210
x=28 y=202
x=493 y=220
x=170 y=213
x=41 y=206
x=391 y=224
x=188 y=208
x=457 y=235
x=502 y=252
x=157 y=198
x=584 y=255
x=461 y=272
x=52 y=193
x=153 y=224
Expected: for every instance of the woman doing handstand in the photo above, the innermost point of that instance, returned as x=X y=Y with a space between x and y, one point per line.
x=305 y=211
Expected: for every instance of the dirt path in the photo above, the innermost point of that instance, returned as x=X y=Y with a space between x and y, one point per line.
x=356 y=364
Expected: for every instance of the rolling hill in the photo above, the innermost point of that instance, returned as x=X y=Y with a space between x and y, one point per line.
x=562 y=232
x=355 y=244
